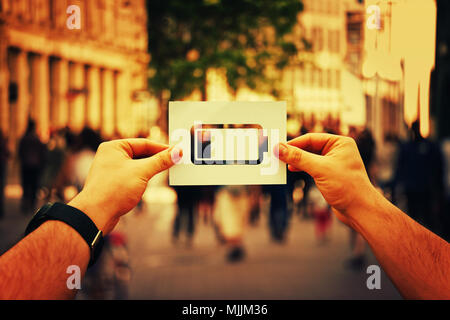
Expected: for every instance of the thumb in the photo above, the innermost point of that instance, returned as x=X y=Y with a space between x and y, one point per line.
x=298 y=159
x=161 y=161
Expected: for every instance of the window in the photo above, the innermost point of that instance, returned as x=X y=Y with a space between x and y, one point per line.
x=329 y=79
x=338 y=79
x=312 y=75
x=302 y=75
x=337 y=41
x=320 y=78
x=329 y=7
x=317 y=38
x=334 y=41
x=330 y=40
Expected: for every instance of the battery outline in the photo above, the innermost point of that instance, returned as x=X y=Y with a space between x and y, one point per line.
x=263 y=144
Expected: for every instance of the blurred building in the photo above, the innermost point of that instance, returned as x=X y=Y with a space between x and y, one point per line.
x=316 y=87
x=323 y=86
x=399 y=56
x=61 y=77
x=441 y=84
x=383 y=90
x=370 y=65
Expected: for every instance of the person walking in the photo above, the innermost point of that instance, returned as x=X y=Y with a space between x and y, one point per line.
x=4 y=155
x=420 y=172
x=32 y=153
x=366 y=147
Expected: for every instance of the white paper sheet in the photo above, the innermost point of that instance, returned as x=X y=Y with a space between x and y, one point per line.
x=227 y=143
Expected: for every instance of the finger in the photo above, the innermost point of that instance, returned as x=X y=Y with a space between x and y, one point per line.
x=293 y=169
x=138 y=148
x=161 y=161
x=319 y=143
x=299 y=159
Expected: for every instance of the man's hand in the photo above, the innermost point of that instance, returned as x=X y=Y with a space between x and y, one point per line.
x=415 y=259
x=118 y=178
x=337 y=168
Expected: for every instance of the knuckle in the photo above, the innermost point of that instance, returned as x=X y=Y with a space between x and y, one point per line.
x=166 y=160
x=163 y=161
x=350 y=140
x=103 y=146
x=295 y=156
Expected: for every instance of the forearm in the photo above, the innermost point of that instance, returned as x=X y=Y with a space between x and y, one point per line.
x=36 y=268
x=415 y=259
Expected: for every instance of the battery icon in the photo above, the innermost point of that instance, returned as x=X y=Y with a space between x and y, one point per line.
x=228 y=144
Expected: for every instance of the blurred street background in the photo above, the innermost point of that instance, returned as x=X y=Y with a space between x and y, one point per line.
x=301 y=268
x=76 y=73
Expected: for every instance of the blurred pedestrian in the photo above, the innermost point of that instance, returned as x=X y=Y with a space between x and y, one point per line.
x=278 y=214
x=4 y=155
x=367 y=148
x=55 y=159
x=187 y=200
x=321 y=212
x=206 y=203
x=83 y=156
x=301 y=183
x=231 y=214
x=386 y=162
x=32 y=153
x=255 y=192
x=420 y=175
x=445 y=216
x=300 y=194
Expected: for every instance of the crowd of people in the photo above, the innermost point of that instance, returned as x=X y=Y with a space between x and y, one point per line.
x=413 y=174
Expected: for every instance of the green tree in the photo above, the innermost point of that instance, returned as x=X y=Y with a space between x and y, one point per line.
x=243 y=37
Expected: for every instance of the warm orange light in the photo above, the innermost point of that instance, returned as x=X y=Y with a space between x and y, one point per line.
x=408 y=35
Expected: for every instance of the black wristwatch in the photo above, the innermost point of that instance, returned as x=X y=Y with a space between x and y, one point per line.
x=74 y=218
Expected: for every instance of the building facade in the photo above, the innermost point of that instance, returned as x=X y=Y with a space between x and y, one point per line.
x=318 y=85
x=399 y=56
x=441 y=84
x=60 y=76
x=312 y=86
x=315 y=88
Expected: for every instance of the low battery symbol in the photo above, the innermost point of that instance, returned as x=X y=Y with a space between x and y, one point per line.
x=228 y=144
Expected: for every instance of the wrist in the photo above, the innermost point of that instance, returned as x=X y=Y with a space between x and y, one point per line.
x=366 y=209
x=94 y=212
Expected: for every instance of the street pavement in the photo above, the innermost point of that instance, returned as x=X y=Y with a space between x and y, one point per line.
x=300 y=268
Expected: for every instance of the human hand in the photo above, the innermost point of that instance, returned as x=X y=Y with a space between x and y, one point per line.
x=118 y=178
x=336 y=166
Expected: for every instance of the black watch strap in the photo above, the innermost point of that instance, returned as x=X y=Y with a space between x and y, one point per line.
x=74 y=218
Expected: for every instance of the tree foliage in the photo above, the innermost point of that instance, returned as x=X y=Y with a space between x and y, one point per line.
x=242 y=37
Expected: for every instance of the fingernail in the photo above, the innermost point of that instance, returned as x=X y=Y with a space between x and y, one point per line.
x=280 y=149
x=176 y=154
